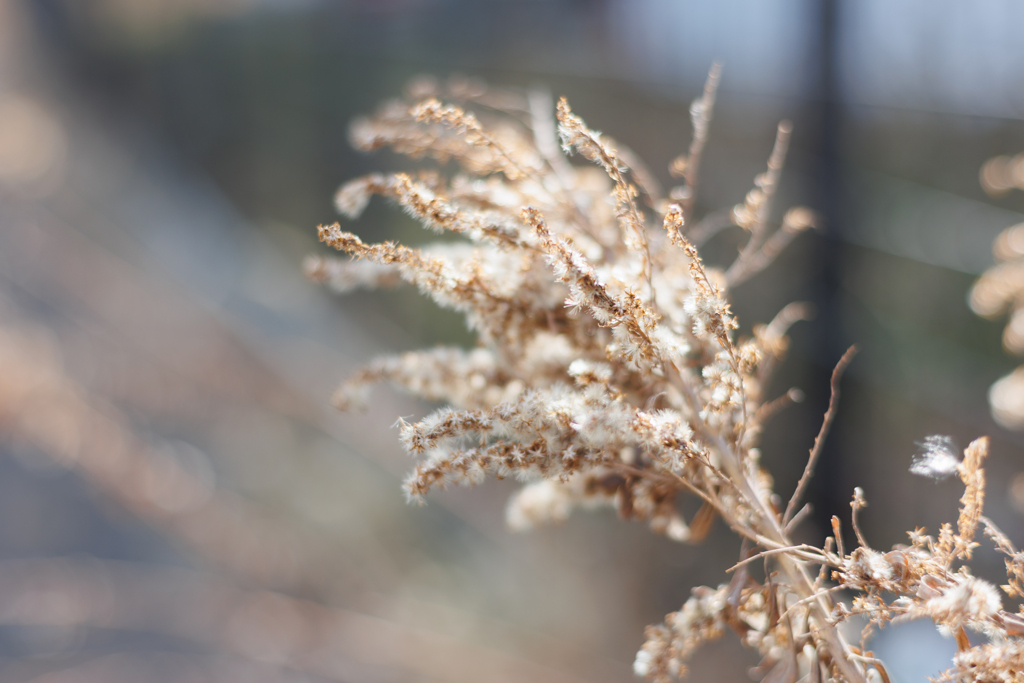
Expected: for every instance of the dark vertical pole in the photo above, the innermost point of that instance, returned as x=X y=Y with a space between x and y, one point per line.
x=828 y=496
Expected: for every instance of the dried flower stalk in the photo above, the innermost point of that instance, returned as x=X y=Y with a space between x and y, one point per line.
x=1000 y=290
x=609 y=371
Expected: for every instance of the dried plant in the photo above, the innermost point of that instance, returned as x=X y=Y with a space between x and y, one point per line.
x=1000 y=290
x=608 y=371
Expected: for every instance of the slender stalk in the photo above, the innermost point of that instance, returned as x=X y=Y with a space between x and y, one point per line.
x=819 y=441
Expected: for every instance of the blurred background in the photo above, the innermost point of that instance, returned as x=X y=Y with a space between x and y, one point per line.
x=178 y=501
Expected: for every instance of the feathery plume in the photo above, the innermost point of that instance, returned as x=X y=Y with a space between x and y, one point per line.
x=609 y=372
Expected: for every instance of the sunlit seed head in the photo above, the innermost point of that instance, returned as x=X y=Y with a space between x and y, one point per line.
x=937 y=458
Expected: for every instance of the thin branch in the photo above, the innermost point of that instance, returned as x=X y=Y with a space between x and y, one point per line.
x=714 y=503
x=701 y=123
x=827 y=550
x=769 y=409
x=767 y=184
x=775 y=335
x=796 y=221
x=709 y=226
x=811 y=598
x=545 y=139
x=770 y=182
x=797 y=518
x=837 y=533
x=646 y=182
x=819 y=440
x=856 y=505
x=800 y=550
x=1002 y=541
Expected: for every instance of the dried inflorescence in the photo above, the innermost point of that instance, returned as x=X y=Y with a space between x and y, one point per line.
x=608 y=371
x=1000 y=290
x=922 y=580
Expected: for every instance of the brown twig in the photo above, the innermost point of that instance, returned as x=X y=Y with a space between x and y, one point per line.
x=767 y=184
x=797 y=518
x=792 y=550
x=700 y=137
x=819 y=440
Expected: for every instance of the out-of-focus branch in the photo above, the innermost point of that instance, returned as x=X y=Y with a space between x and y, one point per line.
x=701 y=112
x=262 y=626
x=40 y=404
